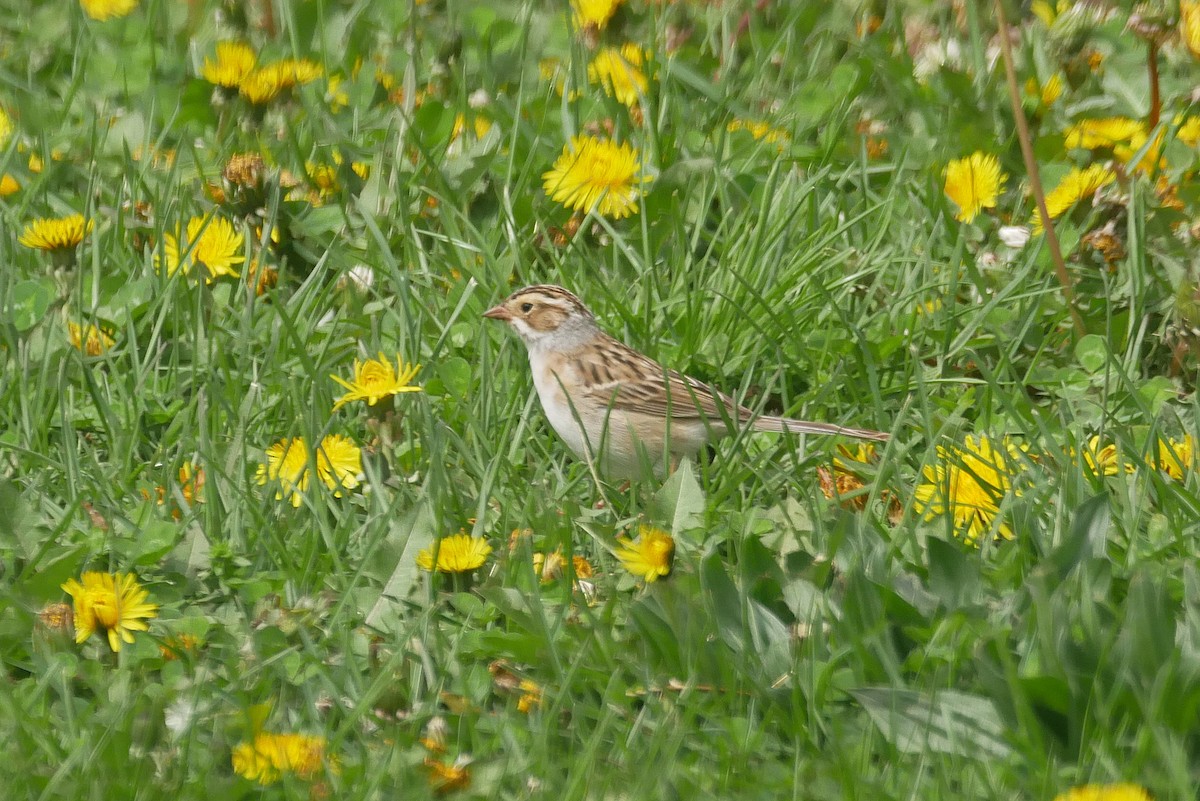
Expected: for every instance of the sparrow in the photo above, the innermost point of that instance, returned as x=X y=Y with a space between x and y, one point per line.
x=614 y=407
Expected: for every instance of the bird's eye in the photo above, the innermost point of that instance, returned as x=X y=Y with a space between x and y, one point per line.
x=526 y=308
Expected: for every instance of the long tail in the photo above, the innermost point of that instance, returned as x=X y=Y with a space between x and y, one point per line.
x=785 y=425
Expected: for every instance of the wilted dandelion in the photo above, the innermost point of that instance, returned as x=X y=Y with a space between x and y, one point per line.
x=113 y=603
x=974 y=183
x=458 y=553
x=263 y=277
x=650 y=557
x=759 y=129
x=969 y=483
x=597 y=175
x=90 y=341
x=447 y=776
x=549 y=566
x=531 y=696
x=172 y=647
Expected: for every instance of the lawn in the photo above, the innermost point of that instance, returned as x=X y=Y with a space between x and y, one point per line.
x=281 y=515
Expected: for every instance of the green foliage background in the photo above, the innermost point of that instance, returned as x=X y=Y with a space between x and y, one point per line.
x=800 y=648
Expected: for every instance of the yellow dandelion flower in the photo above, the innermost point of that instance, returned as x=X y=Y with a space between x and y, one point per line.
x=1048 y=12
x=234 y=62
x=56 y=233
x=1189 y=131
x=619 y=72
x=287 y=464
x=1047 y=92
x=969 y=484
x=1105 y=792
x=8 y=185
x=597 y=175
x=531 y=696
x=759 y=129
x=339 y=466
x=336 y=97
x=650 y=557
x=113 y=603
x=1177 y=457
x=90 y=341
x=594 y=13
x=376 y=379
x=480 y=126
x=339 y=463
x=1101 y=459
x=270 y=756
x=264 y=84
x=6 y=128
x=103 y=10
x=270 y=80
x=457 y=553
x=1150 y=158
x=1074 y=187
x=1100 y=134
x=974 y=183
x=1189 y=25
x=212 y=242
x=300 y=71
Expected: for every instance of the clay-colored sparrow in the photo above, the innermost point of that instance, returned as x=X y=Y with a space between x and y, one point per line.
x=613 y=406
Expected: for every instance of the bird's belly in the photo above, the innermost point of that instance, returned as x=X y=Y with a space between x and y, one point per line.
x=624 y=445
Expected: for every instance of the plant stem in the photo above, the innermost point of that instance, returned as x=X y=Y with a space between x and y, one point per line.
x=1035 y=181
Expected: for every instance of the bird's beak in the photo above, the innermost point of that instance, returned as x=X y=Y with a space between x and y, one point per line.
x=498 y=313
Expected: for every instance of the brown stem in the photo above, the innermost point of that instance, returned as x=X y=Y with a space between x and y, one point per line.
x=1155 y=97
x=269 y=18
x=1035 y=180
x=744 y=22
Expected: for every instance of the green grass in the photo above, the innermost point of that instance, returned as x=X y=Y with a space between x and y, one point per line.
x=800 y=648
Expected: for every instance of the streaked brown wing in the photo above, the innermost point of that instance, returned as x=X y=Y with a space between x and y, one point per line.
x=628 y=381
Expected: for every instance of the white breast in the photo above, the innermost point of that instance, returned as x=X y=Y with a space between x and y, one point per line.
x=555 y=404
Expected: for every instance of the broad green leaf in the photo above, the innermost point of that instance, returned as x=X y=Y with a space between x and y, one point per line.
x=29 y=302
x=680 y=503
x=1092 y=352
x=948 y=722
